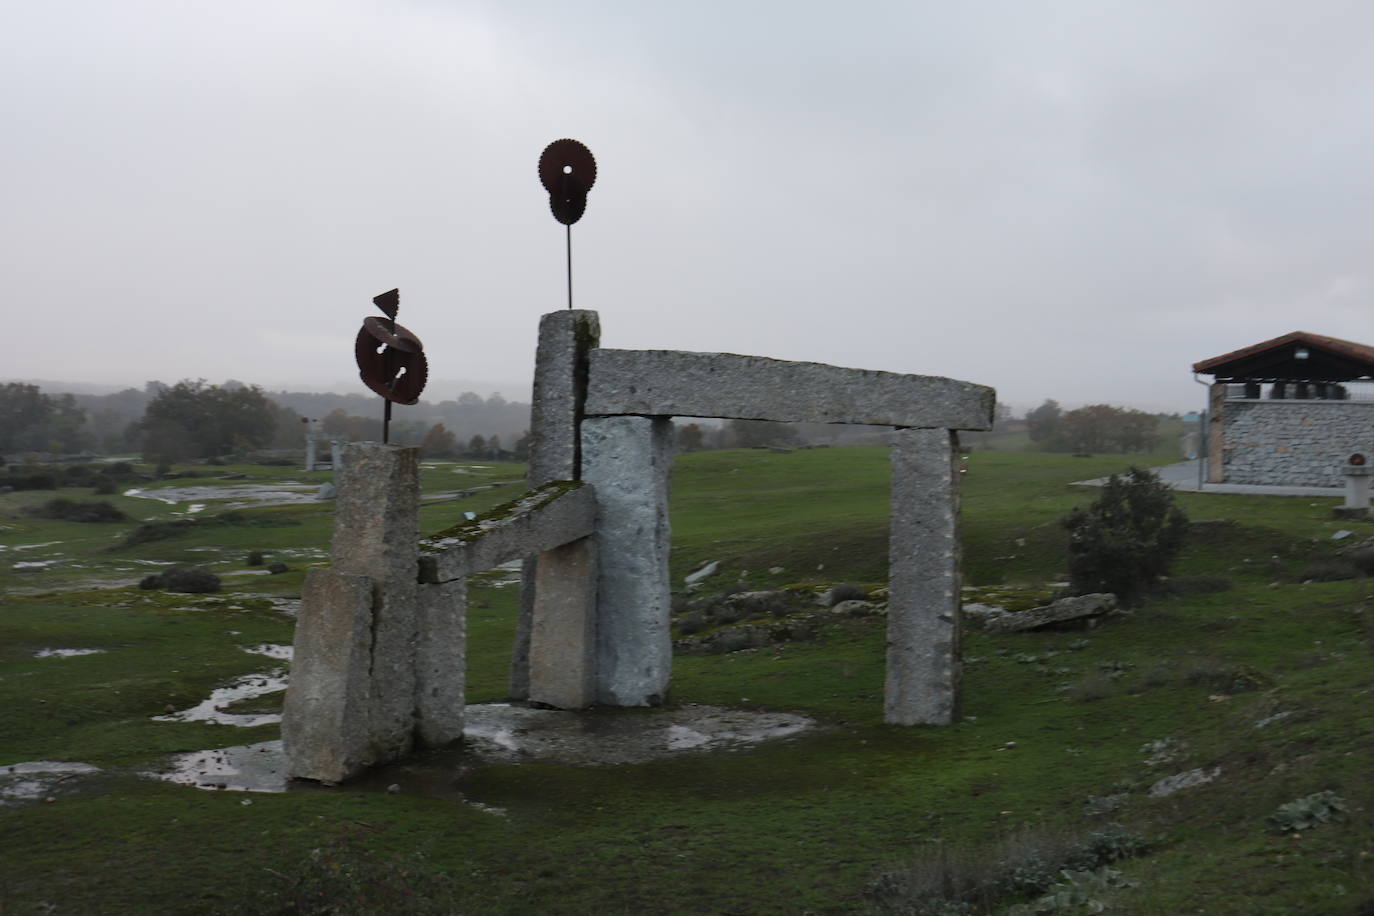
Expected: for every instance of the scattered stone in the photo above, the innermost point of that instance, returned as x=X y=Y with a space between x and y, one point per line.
x=776 y=570
x=327 y=490
x=1078 y=607
x=854 y=608
x=1341 y=535
x=982 y=613
x=1186 y=780
x=702 y=573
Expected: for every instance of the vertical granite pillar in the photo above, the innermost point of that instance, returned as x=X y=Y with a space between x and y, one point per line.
x=562 y=657
x=354 y=668
x=560 y=389
x=441 y=662
x=309 y=453
x=923 y=666
x=336 y=454
x=628 y=460
x=1216 y=432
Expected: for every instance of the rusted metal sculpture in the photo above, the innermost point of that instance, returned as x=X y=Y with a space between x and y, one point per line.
x=391 y=359
x=567 y=170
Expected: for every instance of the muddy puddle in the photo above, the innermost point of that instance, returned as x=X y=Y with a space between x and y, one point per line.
x=233 y=496
x=247 y=687
x=40 y=779
x=498 y=734
x=66 y=653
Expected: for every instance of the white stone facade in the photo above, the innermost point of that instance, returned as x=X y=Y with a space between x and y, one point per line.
x=1293 y=442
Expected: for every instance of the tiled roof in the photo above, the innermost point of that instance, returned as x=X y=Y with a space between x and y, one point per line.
x=1347 y=350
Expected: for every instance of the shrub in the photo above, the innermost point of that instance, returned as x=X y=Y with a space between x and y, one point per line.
x=278 y=568
x=1307 y=812
x=70 y=510
x=1126 y=539
x=192 y=579
x=254 y=558
x=105 y=487
x=150 y=582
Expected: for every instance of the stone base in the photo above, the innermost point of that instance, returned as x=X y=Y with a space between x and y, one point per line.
x=1359 y=513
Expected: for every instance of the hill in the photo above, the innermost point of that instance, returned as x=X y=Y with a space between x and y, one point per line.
x=1248 y=687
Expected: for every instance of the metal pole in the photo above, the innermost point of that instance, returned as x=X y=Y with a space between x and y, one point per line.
x=569 y=235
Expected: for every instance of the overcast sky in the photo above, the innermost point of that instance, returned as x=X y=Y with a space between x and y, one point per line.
x=1070 y=200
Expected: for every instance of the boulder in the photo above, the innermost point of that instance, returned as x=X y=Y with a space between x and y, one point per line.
x=1076 y=608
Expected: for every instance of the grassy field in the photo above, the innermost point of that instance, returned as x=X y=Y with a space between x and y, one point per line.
x=1065 y=731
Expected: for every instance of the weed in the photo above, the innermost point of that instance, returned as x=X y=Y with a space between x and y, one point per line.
x=1095 y=686
x=347 y=881
x=1307 y=812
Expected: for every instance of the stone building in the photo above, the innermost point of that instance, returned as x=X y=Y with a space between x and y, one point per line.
x=1288 y=411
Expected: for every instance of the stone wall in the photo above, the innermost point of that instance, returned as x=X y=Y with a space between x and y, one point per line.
x=1294 y=443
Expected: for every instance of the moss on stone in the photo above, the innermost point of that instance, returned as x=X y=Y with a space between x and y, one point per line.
x=470 y=530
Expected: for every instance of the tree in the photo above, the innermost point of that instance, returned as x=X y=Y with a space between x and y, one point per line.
x=33 y=421
x=690 y=438
x=761 y=433
x=520 y=451
x=1103 y=428
x=1042 y=422
x=477 y=447
x=439 y=442
x=196 y=420
x=1126 y=539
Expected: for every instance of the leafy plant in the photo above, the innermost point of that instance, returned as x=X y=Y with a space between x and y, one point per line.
x=1127 y=539
x=1307 y=812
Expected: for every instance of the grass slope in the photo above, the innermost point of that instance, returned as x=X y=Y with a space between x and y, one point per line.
x=1051 y=747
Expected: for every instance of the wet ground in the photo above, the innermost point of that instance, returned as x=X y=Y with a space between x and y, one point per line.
x=500 y=734
x=233 y=496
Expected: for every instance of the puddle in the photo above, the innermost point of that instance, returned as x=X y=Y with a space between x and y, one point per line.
x=237 y=496
x=34 y=564
x=38 y=779
x=66 y=653
x=241 y=688
x=501 y=734
x=29 y=546
x=271 y=650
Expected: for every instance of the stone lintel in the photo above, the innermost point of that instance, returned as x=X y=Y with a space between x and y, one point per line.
x=325 y=716
x=628 y=460
x=923 y=626
x=673 y=383
x=563 y=635
x=441 y=662
x=541 y=520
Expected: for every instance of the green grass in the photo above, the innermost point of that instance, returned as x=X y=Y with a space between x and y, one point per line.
x=802 y=825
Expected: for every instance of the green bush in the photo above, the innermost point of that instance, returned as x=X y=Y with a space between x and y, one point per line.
x=1307 y=812
x=1127 y=539
x=70 y=510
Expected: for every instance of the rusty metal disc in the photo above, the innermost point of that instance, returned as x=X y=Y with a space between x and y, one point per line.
x=567 y=170
x=391 y=360
x=387 y=331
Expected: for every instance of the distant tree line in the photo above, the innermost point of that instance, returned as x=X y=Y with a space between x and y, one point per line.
x=1092 y=429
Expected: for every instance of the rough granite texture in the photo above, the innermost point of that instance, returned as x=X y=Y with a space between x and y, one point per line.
x=560 y=384
x=1074 y=608
x=627 y=460
x=563 y=636
x=1293 y=443
x=676 y=383
x=441 y=662
x=923 y=664
x=530 y=525
x=374 y=537
x=324 y=718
